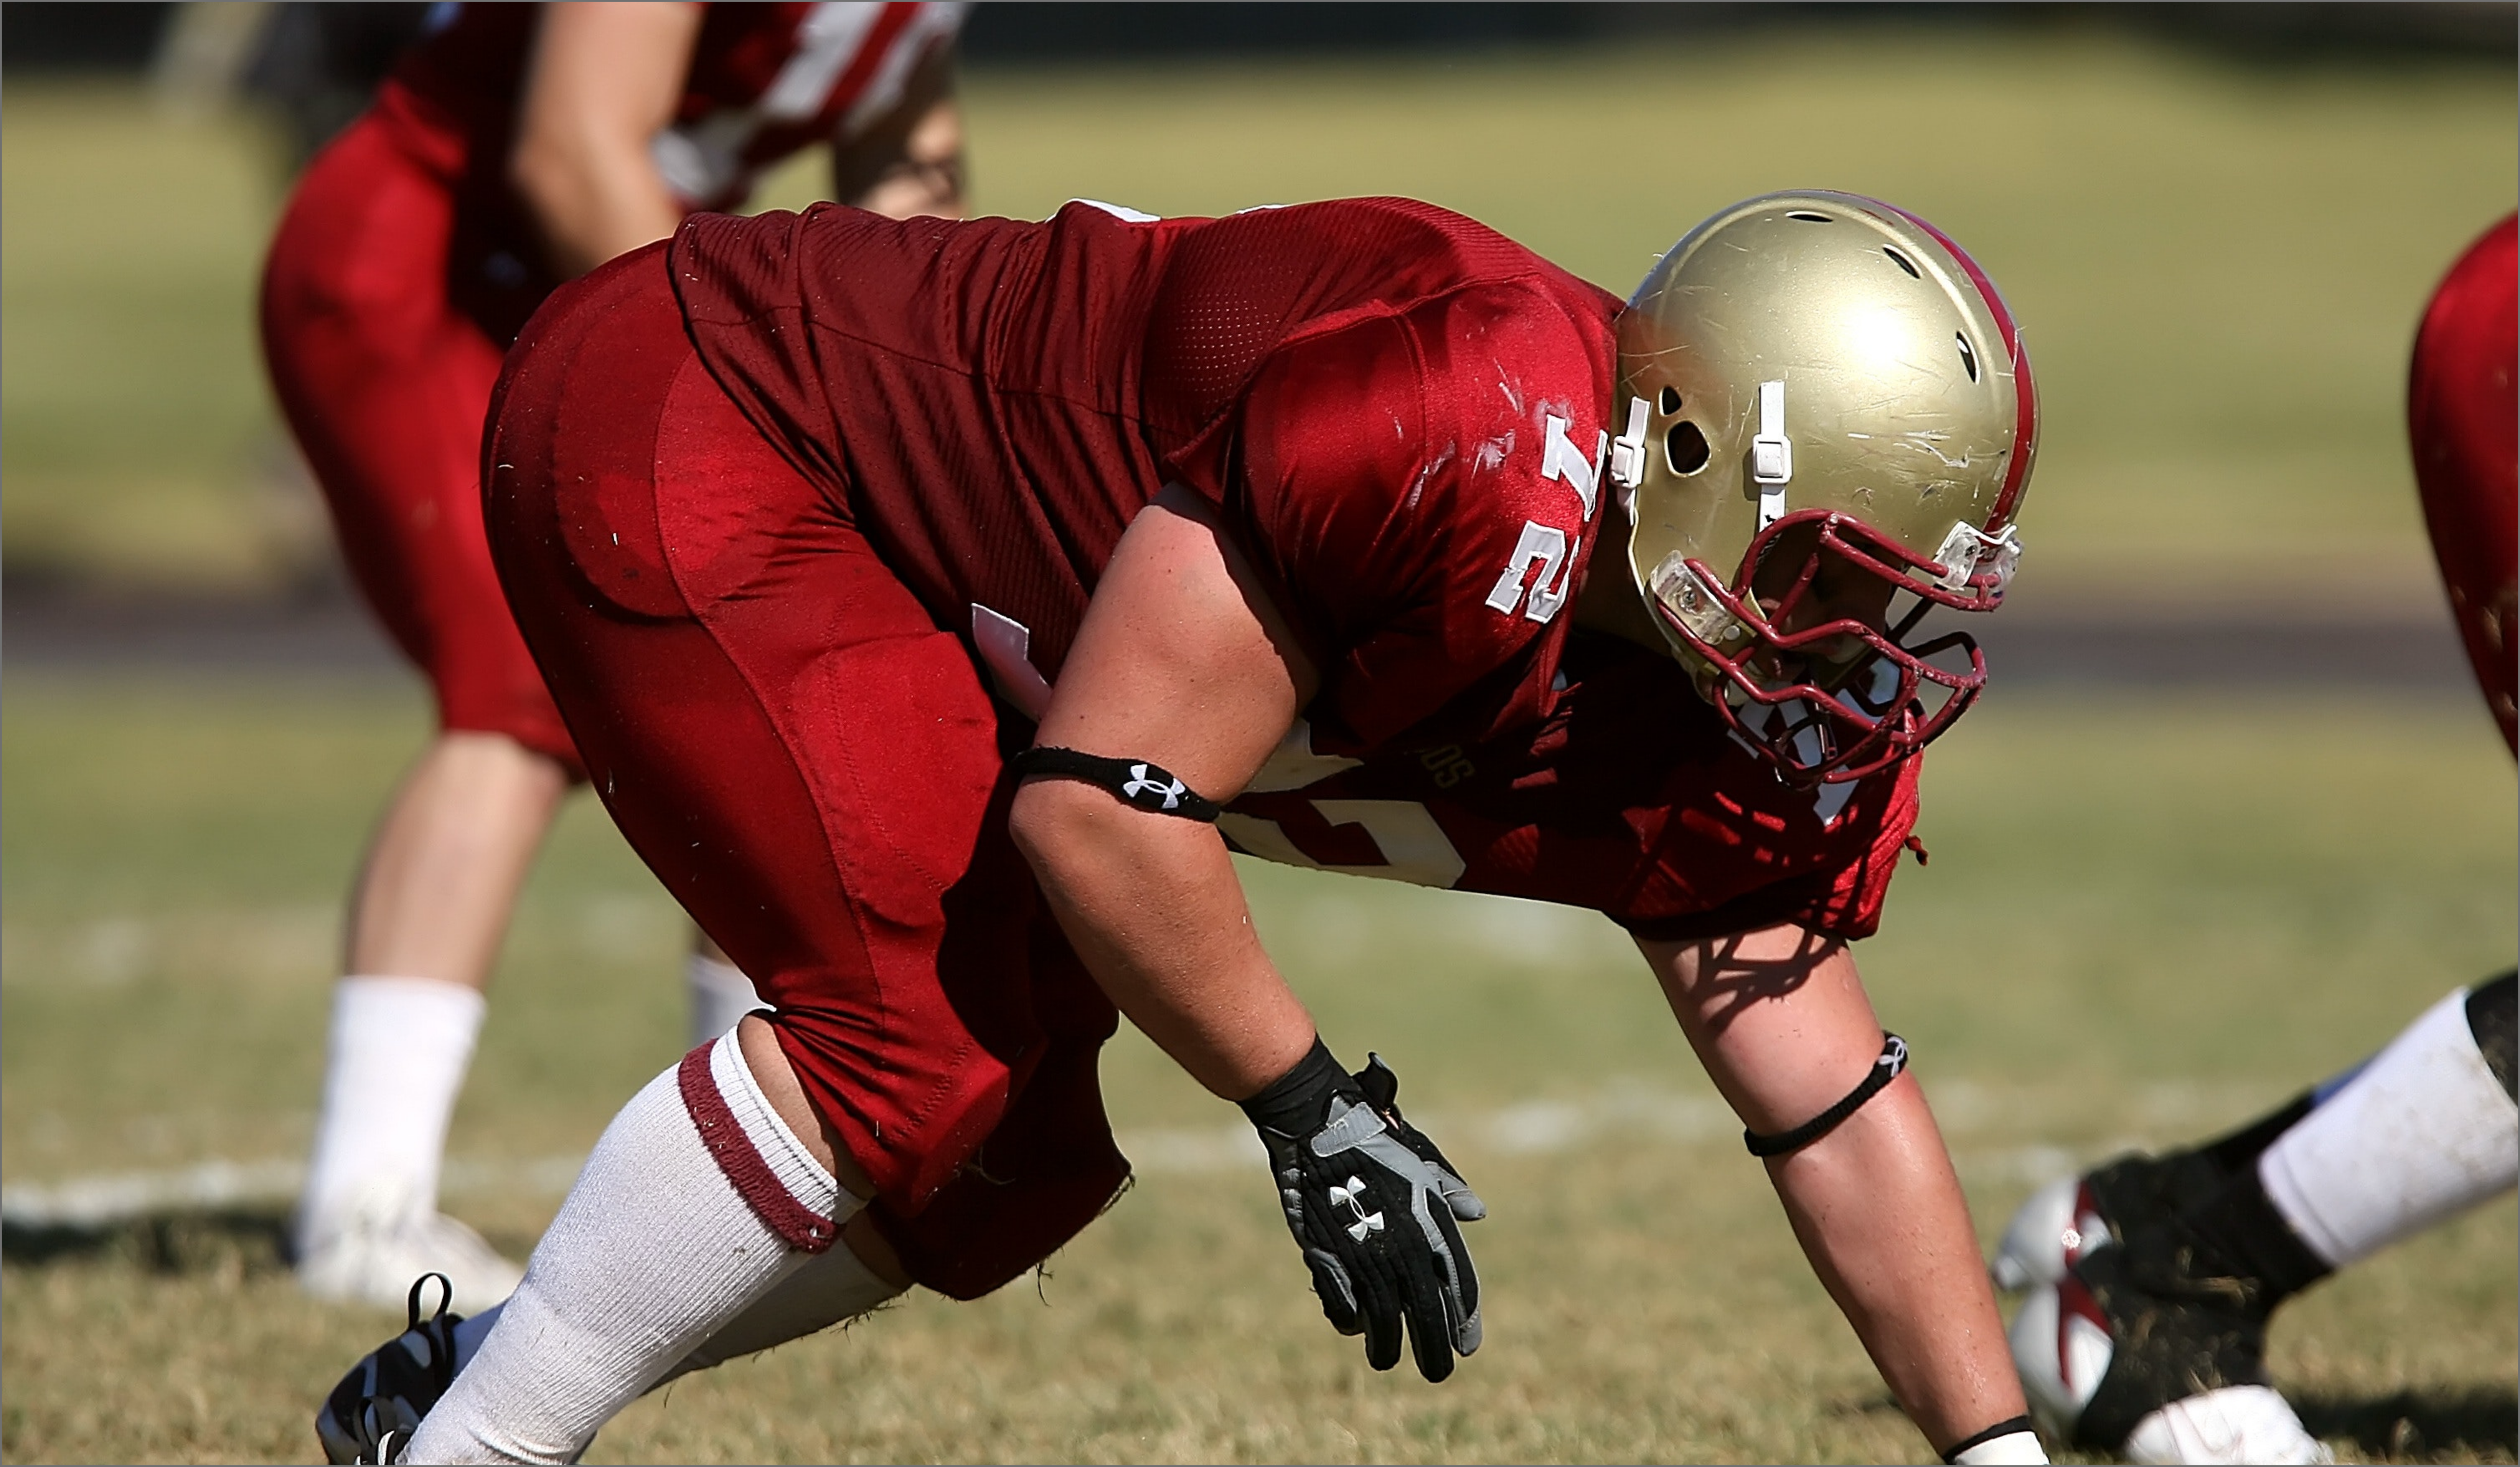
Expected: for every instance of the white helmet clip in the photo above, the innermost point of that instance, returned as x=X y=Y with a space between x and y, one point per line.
x=1772 y=454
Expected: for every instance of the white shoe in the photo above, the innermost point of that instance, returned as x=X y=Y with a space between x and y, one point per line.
x=2239 y=1423
x=376 y=1265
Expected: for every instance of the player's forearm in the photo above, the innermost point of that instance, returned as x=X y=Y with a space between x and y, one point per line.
x=603 y=80
x=1155 y=908
x=593 y=200
x=1880 y=1215
x=906 y=173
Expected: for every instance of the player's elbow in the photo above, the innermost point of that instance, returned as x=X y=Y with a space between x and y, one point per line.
x=1052 y=822
x=547 y=173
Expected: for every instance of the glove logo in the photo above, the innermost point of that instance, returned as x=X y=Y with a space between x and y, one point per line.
x=1352 y=1197
x=1171 y=789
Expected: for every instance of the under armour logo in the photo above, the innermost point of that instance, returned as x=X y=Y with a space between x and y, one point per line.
x=1352 y=1197
x=1170 y=788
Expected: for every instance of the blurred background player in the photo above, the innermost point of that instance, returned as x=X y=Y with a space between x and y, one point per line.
x=2153 y=1277
x=512 y=147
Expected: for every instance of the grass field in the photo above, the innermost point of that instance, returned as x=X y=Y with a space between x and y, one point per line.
x=2146 y=916
x=2254 y=893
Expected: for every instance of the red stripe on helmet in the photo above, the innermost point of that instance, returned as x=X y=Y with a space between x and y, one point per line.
x=2025 y=391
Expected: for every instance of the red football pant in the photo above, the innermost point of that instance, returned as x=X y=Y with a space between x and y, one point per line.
x=811 y=767
x=385 y=381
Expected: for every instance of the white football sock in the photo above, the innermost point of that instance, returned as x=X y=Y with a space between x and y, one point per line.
x=721 y=995
x=833 y=1287
x=394 y=1063
x=2422 y=1131
x=654 y=1251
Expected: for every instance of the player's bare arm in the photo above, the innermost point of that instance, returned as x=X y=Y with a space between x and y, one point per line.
x=604 y=79
x=910 y=162
x=1183 y=669
x=1181 y=661
x=1782 y=1022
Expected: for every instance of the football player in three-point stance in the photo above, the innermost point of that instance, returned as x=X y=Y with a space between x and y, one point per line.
x=2151 y=1280
x=937 y=606
x=512 y=147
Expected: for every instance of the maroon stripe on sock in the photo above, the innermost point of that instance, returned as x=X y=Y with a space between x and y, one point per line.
x=751 y=1177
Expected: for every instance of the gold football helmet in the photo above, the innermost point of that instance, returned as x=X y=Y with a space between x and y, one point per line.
x=1825 y=404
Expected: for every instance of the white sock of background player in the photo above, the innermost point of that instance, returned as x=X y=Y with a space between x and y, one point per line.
x=2422 y=1131
x=395 y=1060
x=720 y=996
x=653 y=1253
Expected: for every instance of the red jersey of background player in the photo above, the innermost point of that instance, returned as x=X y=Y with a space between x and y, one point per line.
x=1401 y=414
x=765 y=82
x=2462 y=417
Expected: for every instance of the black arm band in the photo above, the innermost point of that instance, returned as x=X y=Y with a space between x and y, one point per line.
x=1952 y=1454
x=1296 y=1102
x=1149 y=786
x=1894 y=1058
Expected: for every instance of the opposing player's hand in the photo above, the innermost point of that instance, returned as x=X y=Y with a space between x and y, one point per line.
x=1375 y=1206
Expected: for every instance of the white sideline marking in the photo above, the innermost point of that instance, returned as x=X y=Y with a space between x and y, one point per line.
x=2171 y=1109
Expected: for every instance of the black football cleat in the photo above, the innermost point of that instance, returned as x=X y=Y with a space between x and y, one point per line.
x=371 y=1415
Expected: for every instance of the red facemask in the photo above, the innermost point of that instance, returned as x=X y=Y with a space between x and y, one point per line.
x=1819 y=678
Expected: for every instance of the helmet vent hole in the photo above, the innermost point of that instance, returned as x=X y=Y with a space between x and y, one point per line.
x=1903 y=262
x=1969 y=358
x=1808 y=217
x=1684 y=447
x=1670 y=401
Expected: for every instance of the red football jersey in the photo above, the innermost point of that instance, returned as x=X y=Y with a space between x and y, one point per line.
x=1400 y=414
x=766 y=81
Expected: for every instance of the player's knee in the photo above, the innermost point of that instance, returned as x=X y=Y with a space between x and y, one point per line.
x=2490 y=1017
x=731 y=1097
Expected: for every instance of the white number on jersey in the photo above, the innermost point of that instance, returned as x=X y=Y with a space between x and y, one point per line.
x=1544 y=547
x=1414 y=849
x=1558 y=460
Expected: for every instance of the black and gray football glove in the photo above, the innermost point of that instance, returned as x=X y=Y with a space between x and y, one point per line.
x=1373 y=1206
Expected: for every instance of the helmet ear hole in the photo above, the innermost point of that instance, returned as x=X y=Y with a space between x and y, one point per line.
x=1670 y=402
x=1684 y=448
x=1969 y=358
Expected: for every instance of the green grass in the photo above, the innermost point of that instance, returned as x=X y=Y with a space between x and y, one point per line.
x=2146 y=918
x=2220 y=267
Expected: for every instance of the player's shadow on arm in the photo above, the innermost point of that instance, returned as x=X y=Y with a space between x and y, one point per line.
x=1730 y=982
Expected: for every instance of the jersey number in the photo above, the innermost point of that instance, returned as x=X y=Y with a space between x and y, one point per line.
x=1414 y=849
x=1542 y=546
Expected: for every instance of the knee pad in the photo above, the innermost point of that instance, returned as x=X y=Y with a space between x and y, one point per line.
x=1047 y=1170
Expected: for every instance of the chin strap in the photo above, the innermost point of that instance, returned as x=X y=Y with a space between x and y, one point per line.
x=1772 y=454
x=1894 y=1058
x=1628 y=456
